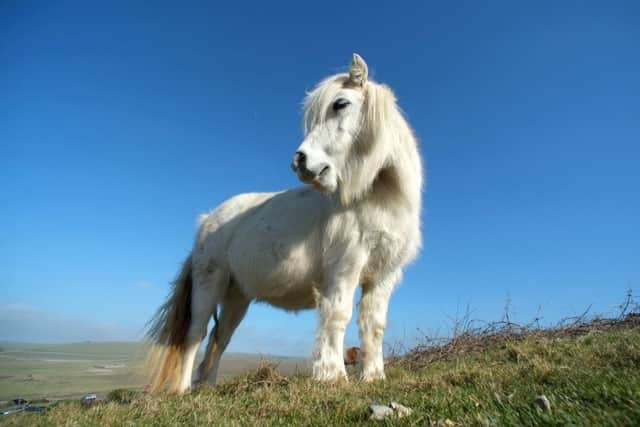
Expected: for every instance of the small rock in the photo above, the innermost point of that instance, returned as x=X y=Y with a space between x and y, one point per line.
x=400 y=410
x=379 y=412
x=444 y=422
x=543 y=403
x=90 y=400
x=394 y=409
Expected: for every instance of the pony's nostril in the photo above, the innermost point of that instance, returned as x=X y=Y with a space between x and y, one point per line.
x=299 y=161
x=324 y=170
x=300 y=158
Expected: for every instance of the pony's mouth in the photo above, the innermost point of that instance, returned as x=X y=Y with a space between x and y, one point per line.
x=318 y=185
x=314 y=180
x=309 y=177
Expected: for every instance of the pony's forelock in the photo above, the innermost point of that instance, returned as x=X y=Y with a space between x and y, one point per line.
x=317 y=102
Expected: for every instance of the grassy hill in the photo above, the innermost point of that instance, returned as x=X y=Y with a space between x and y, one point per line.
x=590 y=374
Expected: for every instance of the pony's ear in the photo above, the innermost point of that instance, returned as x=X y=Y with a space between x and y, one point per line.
x=358 y=71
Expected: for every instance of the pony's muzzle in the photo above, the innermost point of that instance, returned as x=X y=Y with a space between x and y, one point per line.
x=305 y=173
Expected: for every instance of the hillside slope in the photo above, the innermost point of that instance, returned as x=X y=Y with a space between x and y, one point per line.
x=590 y=375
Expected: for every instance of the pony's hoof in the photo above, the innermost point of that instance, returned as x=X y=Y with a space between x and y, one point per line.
x=331 y=378
x=369 y=377
x=324 y=372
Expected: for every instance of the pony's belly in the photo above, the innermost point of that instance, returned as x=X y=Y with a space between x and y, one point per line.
x=276 y=271
x=295 y=300
x=277 y=279
x=274 y=251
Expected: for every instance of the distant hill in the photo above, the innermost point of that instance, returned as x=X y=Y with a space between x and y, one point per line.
x=74 y=369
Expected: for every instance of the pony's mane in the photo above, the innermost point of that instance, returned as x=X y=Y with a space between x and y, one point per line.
x=385 y=146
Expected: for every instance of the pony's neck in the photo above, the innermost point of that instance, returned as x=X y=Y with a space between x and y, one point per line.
x=396 y=186
x=400 y=179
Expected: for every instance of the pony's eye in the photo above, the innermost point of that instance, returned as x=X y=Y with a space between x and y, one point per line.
x=340 y=104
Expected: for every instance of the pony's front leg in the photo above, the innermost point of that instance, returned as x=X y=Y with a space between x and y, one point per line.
x=335 y=304
x=372 y=320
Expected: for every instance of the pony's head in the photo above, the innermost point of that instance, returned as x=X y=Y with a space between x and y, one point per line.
x=351 y=125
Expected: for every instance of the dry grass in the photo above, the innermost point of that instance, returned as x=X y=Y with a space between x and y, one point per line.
x=501 y=334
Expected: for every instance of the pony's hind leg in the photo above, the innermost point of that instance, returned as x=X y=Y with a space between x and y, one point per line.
x=206 y=294
x=234 y=308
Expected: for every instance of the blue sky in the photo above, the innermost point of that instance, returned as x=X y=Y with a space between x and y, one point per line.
x=121 y=122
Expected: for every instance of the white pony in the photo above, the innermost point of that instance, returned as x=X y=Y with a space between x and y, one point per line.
x=301 y=248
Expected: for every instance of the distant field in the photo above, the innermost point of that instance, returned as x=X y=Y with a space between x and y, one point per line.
x=55 y=371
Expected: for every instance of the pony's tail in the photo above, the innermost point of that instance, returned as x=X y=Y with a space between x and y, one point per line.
x=167 y=332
